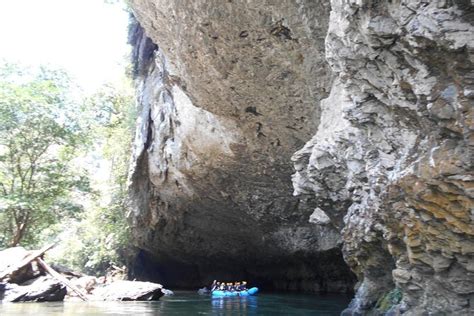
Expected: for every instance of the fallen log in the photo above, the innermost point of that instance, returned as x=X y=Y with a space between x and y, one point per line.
x=28 y=259
x=11 y=257
x=60 y=278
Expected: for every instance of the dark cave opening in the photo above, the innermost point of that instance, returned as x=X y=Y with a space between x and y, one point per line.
x=325 y=272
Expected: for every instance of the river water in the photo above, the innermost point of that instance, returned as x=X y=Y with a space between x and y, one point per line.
x=187 y=303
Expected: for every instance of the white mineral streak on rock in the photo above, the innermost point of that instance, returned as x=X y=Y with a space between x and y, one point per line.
x=201 y=130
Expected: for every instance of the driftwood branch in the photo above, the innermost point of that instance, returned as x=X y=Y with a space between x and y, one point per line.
x=61 y=279
x=25 y=261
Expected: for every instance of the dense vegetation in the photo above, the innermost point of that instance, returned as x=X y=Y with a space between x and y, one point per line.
x=63 y=166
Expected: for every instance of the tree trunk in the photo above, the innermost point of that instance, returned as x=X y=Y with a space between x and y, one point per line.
x=19 y=233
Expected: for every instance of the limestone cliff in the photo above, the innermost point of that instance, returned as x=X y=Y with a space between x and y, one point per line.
x=393 y=151
x=228 y=91
x=383 y=91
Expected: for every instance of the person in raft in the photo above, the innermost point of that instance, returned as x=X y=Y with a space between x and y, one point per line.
x=222 y=286
x=234 y=287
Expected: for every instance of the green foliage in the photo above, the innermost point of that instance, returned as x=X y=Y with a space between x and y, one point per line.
x=115 y=117
x=63 y=166
x=100 y=237
x=39 y=136
x=95 y=242
x=389 y=299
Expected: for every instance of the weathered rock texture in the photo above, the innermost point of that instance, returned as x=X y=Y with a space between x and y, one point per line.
x=389 y=165
x=229 y=95
x=391 y=162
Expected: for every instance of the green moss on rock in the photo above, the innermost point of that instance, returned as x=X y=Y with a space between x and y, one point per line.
x=389 y=299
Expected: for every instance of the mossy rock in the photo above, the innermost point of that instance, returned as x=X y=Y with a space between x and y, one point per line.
x=389 y=299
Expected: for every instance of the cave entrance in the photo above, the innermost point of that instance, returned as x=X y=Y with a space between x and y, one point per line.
x=323 y=273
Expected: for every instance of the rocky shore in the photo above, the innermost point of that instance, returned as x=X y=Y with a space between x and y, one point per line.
x=25 y=280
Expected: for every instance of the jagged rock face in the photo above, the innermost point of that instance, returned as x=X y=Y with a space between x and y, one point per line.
x=228 y=94
x=391 y=162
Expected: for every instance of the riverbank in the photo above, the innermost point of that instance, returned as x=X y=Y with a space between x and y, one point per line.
x=26 y=277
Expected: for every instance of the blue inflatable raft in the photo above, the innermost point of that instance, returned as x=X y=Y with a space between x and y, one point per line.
x=251 y=291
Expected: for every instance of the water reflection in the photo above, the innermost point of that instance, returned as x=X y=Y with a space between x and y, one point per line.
x=78 y=308
x=246 y=305
x=186 y=303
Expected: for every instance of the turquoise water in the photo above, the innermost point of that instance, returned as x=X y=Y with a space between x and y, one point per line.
x=186 y=303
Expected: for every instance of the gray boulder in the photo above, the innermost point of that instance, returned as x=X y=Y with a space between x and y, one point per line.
x=167 y=292
x=129 y=291
x=41 y=289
